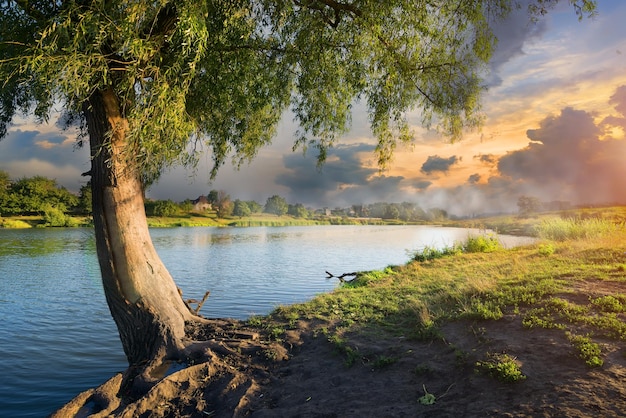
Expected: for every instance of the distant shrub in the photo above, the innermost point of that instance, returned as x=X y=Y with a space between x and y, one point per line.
x=56 y=218
x=165 y=208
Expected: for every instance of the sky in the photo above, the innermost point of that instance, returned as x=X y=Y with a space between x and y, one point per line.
x=555 y=129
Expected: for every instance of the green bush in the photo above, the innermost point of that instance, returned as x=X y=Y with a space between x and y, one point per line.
x=165 y=208
x=55 y=217
x=482 y=244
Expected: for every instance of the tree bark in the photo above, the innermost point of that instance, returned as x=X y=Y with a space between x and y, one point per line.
x=143 y=299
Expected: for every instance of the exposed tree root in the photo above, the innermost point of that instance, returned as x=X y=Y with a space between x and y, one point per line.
x=221 y=367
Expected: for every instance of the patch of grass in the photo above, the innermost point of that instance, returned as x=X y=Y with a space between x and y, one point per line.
x=501 y=366
x=609 y=325
x=429 y=253
x=555 y=313
x=383 y=361
x=255 y=321
x=426 y=331
x=587 y=349
x=546 y=250
x=610 y=303
x=422 y=369
x=273 y=329
x=485 y=243
x=541 y=318
x=14 y=224
x=343 y=348
x=288 y=315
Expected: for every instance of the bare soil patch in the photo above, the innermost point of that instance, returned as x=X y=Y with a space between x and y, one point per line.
x=311 y=378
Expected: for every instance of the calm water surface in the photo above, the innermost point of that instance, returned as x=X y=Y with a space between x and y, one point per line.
x=56 y=334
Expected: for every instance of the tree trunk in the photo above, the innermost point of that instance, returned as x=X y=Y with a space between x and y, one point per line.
x=142 y=296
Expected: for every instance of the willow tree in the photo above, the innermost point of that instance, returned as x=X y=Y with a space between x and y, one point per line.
x=148 y=82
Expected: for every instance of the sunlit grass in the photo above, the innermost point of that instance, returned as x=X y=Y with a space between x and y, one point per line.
x=479 y=281
x=14 y=223
x=562 y=229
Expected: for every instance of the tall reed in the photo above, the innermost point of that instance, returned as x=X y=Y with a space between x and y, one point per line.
x=560 y=229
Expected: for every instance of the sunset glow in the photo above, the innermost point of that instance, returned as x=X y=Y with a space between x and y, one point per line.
x=555 y=123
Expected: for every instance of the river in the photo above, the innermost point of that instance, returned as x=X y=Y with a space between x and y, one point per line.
x=56 y=334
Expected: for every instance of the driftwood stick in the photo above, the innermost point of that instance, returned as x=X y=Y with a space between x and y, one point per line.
x=206 y=296
x=342 y=277
x=187 y=302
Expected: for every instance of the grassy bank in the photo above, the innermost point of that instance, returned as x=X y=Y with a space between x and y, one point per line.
x=515 y=225
x=573 y=281
x=36 y=221
x=207 y=219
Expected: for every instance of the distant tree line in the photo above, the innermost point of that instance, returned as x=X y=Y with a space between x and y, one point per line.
x=42 y=196
x=405 y=211
x=39 y=195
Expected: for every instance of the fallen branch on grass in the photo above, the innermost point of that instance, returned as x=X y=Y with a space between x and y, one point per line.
x=342 y=277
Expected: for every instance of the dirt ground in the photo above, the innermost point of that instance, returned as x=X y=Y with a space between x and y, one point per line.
x=310 y=378
x=315 y=382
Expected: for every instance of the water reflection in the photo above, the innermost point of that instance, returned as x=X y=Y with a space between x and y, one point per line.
x=44 y=242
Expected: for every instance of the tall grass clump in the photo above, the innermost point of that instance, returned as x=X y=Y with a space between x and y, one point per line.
x=473 y=244
x=431 y=253
x=559 y=229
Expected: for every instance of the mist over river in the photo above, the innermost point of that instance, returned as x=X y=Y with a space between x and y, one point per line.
x=57 y=337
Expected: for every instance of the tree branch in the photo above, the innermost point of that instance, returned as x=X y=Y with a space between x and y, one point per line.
x=187 y=302
x=342 y=277
x=30 y=10
x=336 y=8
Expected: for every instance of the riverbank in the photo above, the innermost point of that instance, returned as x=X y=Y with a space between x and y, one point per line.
x=529 y=331
x=208 y=220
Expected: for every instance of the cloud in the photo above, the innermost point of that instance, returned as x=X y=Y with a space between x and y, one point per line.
x=26 y=152
x=512 y=34
x=568 y=160
x=436 y=163
x=619 y=100
x=344 y=179
x=488 y=159
x=422 y=184
x=474 y=178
